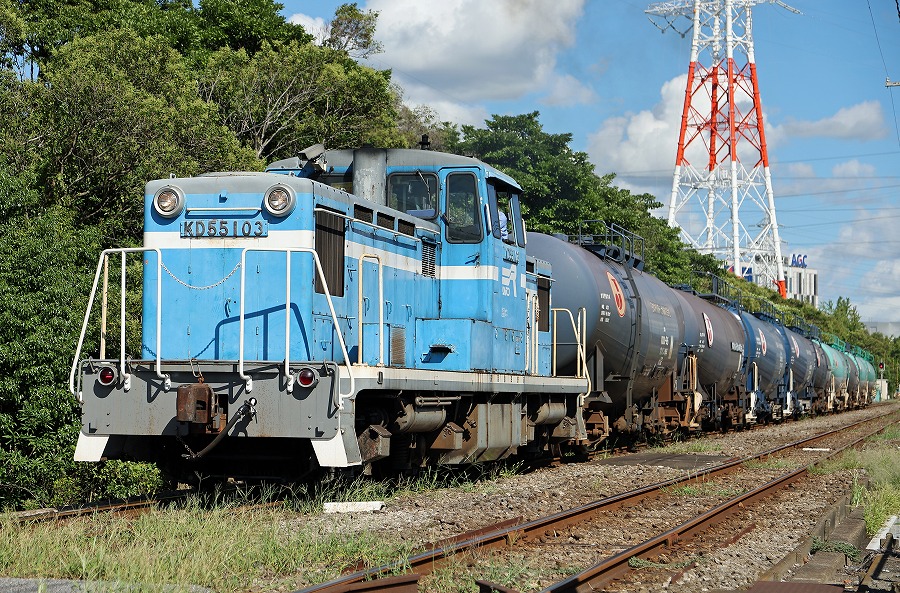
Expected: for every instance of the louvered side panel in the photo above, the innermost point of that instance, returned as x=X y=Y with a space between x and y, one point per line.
x=330 y=247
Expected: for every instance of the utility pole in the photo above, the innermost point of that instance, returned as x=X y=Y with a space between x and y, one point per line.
x=722 y=197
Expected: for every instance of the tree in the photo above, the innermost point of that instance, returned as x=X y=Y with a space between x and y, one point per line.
x=289 y=96
x=415 y=122
x=12 y=33
x=246 y=25
x=120 y=110
x=353 y=31
x=559 y=184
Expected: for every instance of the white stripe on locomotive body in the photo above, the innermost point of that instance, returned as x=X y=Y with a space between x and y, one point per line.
x=171 y=241
x=276 y=239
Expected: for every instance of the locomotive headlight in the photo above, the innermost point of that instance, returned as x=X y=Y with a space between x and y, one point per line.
x=169 y=202
x=280 y=200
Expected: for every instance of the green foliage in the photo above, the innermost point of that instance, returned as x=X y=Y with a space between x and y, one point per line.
x=245 y=24
x=849 y=550
x=121 y=110
x=38 y=29
x=353 y=31
x=43 y=289
x=289 y=96
x=12 y=33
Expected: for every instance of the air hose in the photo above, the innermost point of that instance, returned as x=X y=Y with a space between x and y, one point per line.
x=247 y=408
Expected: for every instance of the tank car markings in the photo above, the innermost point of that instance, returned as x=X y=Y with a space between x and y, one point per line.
x=659 y=309
x=618 y=295
x=709 y=329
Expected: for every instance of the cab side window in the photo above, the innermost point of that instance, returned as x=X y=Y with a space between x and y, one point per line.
x=413 y=193
x=463 y=215
x=506 y=218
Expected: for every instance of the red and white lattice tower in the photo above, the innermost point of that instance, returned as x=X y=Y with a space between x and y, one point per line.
x=722 y=196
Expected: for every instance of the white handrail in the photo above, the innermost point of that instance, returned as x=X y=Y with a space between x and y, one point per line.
x=248 y=380
x=580 y=329
x=167 y=382
x=359 y=346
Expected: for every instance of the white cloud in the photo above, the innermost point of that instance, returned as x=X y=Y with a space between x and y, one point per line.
x=460 y=113
x=853 y=262
x=567 y=90
x=315 y=26
x=863 y=121
x=641 y=146
x=853 y=168
x=470 y=51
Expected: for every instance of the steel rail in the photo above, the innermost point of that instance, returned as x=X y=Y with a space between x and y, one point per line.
x=602 y=573
x=505 y=534
x=121 y=506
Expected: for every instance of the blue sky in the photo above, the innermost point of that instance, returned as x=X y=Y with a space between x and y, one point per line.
x=602 y=71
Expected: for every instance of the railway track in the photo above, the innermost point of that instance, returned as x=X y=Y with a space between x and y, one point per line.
x=131 y=506
x=516 y=535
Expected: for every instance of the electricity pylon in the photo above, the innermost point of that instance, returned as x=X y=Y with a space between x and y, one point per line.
x=722 y=197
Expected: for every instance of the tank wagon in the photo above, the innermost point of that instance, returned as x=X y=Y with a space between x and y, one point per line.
x=385 y=309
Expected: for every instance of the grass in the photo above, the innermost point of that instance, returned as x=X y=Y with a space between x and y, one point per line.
x=691 y=446
x=849 y=550
x=880 y=463
x=226 y=548
x=891 y=433
x=226 y=542
x=473 y=479
x=508 y=570
x=701 y=489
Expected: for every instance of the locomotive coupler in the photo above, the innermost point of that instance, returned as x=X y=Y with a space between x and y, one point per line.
x=248 y=408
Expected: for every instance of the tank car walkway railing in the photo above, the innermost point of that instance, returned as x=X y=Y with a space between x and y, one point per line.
x=248 y=380
x=101 y=267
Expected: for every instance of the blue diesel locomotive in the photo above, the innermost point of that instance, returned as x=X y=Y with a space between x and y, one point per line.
x=312 y=326
x=384 y=309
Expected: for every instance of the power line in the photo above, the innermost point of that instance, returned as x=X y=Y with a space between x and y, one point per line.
x=799 y=226
x=884 y=63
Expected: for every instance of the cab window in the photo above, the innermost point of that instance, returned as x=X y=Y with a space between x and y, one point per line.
x=342 y=181
x=463 y=214
x=506 y=219
x=413 y=193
